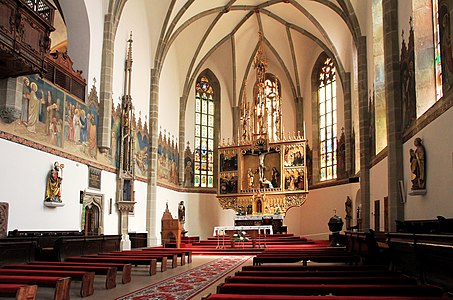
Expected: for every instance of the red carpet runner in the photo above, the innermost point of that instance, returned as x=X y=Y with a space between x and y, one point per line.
x=189 y=283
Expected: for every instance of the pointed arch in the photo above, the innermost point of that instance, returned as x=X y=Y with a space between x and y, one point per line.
x=207 y=129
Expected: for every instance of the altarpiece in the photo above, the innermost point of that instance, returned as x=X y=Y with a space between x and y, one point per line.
x=263 y=172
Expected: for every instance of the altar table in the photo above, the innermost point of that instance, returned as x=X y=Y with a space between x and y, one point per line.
x=254 y=231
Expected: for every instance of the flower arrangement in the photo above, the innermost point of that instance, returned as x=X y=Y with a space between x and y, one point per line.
x=240 y=236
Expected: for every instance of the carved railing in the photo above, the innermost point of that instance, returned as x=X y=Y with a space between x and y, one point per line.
x=25 y=27
x=43 y=8
x=60 y=72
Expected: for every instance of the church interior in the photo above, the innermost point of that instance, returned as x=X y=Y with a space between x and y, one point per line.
x=215 y=149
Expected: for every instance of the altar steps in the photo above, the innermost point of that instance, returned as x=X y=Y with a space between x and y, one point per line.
x=221 y=245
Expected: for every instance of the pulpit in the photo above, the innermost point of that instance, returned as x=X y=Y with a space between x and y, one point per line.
x=171 y=229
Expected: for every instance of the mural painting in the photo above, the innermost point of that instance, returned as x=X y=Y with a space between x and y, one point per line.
x=168 y=159
x=41 y=113
x=80 y=127
x=51 y=117
x=141 y=149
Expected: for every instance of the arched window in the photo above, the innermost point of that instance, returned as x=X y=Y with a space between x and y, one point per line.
x=204 y=134
x=437 y=51
x=327 y=112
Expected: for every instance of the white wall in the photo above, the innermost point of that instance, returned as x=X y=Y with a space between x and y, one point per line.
x=203 y=212
x=25 y=190
x=132 y=17
x=311 y=219
x=439 y=171
x=378 y=190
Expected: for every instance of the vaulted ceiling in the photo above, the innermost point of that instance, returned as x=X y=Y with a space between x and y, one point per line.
x=225 y=32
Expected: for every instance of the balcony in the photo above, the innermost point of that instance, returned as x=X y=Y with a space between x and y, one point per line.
x=25 y=27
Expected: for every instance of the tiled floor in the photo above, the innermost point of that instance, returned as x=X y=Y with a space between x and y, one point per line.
x=140 y=279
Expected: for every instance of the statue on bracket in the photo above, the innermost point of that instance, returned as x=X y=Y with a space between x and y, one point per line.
x=417 y=163
x=53 y=186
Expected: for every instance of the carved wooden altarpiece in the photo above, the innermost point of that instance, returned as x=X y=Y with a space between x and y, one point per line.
x=264 y=171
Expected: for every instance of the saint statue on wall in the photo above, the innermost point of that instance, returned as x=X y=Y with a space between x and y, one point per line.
x=417 y=164
x=53 y=187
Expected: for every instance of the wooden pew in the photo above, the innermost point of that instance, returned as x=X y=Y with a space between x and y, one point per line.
x=18 y=291
x=296 y=267
x=124 y=268
x=321 y=280
x=288 y=297
x=331 y=289
x=339 y=273
x=172 y=256
x=162 y=258
x=61 y=284
x=178 y=251
x=109 y=272
x=87 y=278
x=317 y=257
x=152 y=263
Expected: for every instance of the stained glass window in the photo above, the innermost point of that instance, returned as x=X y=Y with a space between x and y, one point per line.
x=204 y=134
x=437 y=51
x=327 y=108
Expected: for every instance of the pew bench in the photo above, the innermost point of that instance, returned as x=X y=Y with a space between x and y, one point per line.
x=152 y=263
x=109 y=272
x=163 y=258
x=18 y=291
x=331 y=289
x=289 y=297
x=340 y=273
x=124 y=268
x=321 y=280
x=311 y=268
x=61 y=284
x=179 y=252
x=293 y=258
x=173 y=257
x=87 y=278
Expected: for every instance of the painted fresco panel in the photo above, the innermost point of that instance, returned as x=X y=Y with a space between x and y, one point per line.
x=51 y=117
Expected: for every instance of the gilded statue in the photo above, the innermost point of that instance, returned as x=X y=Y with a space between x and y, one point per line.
x=53 y=187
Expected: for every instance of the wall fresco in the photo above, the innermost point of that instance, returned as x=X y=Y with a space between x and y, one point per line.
x=51 y=117
x=168 y=159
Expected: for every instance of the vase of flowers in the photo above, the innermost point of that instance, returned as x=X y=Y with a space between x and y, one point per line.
x=240 y=237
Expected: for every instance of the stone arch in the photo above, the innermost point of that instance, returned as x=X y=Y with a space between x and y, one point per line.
x=93 y=206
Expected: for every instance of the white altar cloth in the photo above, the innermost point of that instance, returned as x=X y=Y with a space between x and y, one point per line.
x=222 y=229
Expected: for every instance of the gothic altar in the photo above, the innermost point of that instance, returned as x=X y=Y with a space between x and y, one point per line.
x=263 y=172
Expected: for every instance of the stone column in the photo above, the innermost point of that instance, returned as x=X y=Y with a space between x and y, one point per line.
x=125 y=207
x=347 y=122
x=314 y=143
x=364 y=130
x=394 y=111
x=299 y=101
x=237 y=129
x=151 y=214
x=11 y=99
x=182 y=138
x=105 y=90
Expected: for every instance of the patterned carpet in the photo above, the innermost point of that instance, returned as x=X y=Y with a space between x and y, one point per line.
x=189 y=283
